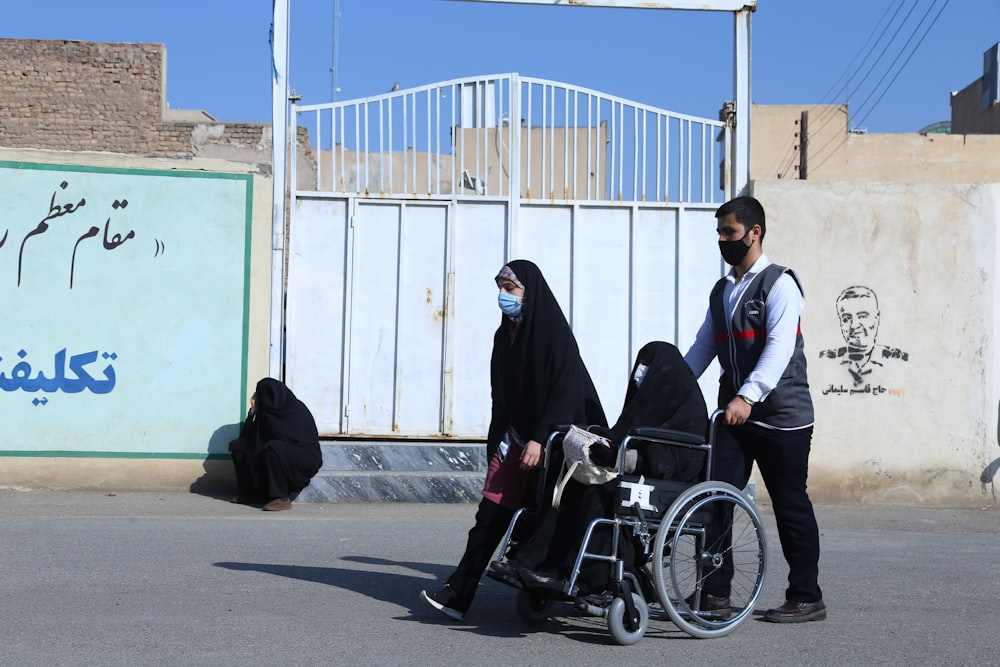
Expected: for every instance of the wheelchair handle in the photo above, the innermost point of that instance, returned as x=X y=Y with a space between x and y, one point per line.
x=713 y=424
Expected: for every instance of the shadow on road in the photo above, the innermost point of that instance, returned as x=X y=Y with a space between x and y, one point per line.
x=493 y=614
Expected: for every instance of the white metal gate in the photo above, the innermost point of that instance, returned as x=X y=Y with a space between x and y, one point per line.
x=391 y=304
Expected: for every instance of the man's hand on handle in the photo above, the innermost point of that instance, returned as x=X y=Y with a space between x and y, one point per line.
x=737 y=412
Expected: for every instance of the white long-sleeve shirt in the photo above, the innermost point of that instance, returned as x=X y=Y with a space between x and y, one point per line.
x=784 y=307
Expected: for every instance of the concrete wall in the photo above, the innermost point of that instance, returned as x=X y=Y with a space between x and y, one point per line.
x=548 y=178
x=420 y=173
x=776 y=140
x=135 y=469
x=919 y=423
x=103 y=106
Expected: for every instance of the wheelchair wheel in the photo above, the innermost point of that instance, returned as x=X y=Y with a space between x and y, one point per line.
x=534 y=607
x=686 y=553
x=627 y=631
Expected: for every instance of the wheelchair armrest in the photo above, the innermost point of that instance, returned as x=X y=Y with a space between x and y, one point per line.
x=653 y=433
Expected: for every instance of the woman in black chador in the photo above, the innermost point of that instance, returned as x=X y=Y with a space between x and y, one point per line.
x=278 y=451
x=538 y=381
x=662 y=392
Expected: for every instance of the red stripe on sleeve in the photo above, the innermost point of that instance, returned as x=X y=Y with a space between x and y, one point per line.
x=747 y=334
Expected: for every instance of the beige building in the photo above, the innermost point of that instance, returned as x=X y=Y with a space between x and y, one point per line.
x=814 y=142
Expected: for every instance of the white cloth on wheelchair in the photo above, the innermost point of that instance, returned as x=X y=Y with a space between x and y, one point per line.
x=577 y=443
x=577 y=464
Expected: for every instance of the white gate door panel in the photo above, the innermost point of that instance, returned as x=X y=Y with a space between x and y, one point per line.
x=420 y=196
x=396 y=322
x=602 y=309
x=617 y=273
x=545 y=236
x=392 y=309
x=316 y=311
x=480 y=242
x=654 y=271
x=642 y=294
x=698 y=267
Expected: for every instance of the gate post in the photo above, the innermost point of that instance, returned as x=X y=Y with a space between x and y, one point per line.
x=279 y=160
x=741 y=83
x=514 y=158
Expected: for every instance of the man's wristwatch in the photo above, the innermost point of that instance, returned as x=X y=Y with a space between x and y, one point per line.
x=746 y=400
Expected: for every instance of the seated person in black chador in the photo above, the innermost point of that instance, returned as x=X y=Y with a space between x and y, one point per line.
x=278 y=451
x=662 y=392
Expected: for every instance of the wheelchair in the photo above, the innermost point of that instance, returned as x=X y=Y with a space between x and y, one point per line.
x=669 y=524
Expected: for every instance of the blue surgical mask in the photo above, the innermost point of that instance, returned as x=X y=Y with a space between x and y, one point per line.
x=509 y=304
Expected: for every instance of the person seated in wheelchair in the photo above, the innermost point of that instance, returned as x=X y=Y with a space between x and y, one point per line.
x=662 y=392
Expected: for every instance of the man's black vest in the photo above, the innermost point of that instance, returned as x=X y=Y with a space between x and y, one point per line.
x=740 y=343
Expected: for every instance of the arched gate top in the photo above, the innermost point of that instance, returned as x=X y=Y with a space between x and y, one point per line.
x=511 y=136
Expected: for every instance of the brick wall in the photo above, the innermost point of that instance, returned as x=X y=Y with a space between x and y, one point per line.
x=87 y=96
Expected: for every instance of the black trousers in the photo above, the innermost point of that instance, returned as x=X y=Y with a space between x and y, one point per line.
x=783 y=460
x=491 y=524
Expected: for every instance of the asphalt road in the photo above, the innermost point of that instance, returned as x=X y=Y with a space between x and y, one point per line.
x=185 y=579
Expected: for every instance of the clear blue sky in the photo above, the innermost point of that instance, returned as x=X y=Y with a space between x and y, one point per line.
x=218 y=57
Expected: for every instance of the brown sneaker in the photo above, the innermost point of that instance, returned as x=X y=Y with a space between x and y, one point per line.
x=278 y=504
x=797 y=612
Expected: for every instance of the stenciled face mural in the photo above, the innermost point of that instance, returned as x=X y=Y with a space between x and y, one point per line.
x=862 y=357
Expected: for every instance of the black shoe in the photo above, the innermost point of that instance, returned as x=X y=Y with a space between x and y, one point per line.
x=504 y=568
x=505 y=572
x=713 y=607
x=797 y=612
x=543 y=582
x=445 y=601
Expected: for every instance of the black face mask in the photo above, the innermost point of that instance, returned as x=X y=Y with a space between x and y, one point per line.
x=734 y=251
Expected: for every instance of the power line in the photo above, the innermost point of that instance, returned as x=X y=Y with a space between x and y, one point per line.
x=898 y=72
x=847 y=71
x=881 y=55
x=903 y=66
x=828 y=149
x=826 y=116
x=885 y=49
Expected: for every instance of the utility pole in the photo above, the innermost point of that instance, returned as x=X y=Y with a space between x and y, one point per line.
x=803 y=145
x=334 y=88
